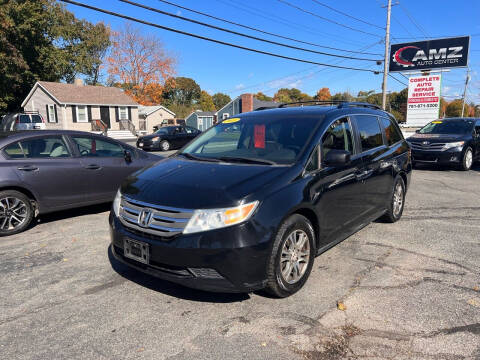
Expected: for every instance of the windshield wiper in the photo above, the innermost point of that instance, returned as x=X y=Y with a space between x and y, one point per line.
x=199 y=158
x=247 y=160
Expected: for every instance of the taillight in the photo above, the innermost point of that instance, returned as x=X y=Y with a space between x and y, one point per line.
x=43 y=120
x=17 y=121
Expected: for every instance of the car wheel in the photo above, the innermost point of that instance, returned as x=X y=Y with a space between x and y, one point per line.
x=397 y=201
x=16 y=212
x=467 y=160
x=292 y=257
x=165 y=145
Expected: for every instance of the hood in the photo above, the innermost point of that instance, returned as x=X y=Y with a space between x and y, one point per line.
x=437 y=138
x=176 y=182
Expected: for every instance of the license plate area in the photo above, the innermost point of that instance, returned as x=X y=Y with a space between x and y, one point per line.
x=136 y=250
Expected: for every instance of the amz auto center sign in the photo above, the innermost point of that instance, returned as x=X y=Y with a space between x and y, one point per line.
x=431 y=54
x=423 y=103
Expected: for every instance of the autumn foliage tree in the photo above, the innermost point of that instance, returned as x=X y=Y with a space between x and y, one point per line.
x=323 y=94
x=139 y=64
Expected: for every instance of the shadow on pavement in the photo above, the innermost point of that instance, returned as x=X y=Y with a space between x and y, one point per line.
x=172 y=289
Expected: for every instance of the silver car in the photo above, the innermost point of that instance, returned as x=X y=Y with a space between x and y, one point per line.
x=30 y=120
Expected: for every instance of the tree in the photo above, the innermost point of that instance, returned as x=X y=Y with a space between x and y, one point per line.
x=262 y=97
x=40 y=40
x=220 y=100
x=364 y=94
x=181 y=91
x=454 y=108
x=323 y=94
x=290 y=95
x=344 y=96
x=206 y=102
x=139 y=64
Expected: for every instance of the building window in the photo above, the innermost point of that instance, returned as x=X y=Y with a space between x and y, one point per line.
x=51 y=113
x=123 y=113
x=225 y=116
x=82 y=115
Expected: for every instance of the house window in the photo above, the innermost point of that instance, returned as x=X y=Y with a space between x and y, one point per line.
x=51 y=113
x=82 y=115
x=123 y=113
x=225 y=116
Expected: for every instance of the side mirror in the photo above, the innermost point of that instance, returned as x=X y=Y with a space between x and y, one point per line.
x=417 y=131
x=128 y=156
x=337 y=158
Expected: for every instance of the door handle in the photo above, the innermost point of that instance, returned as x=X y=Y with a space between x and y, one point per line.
x=92 y=167
x=28 y=168
x=364 y=174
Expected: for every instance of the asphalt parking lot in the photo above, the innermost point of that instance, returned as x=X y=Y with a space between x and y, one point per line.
x=409 y=290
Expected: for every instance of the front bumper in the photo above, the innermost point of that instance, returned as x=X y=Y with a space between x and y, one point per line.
x=232 y=259
x=148 y=145
x=452 y=156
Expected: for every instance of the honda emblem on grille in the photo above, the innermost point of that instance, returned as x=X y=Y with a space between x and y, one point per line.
x=425 y=143
x=145 y=217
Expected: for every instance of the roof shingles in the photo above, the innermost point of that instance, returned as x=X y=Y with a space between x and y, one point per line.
x=87 y=94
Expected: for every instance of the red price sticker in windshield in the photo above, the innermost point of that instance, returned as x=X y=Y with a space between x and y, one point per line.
x=259 y=136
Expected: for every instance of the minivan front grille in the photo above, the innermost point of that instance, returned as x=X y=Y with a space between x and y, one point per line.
x=427 y=147
x=152 y=219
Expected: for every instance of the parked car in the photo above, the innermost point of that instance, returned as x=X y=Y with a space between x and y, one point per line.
x=52 y=170
x=250 y=208
x=167 y=138
x=28 y=120
x=451 y=141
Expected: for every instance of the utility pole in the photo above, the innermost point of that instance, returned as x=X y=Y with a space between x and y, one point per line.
x=465 y=90
x=387 y=52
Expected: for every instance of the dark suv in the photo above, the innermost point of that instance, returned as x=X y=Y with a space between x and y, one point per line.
x=251 y=202
x=167 y=138
x=454 y=141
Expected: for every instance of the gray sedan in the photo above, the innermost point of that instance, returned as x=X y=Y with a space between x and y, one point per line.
x=52 y=170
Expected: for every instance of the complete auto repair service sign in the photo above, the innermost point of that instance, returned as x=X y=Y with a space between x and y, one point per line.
x=423 y=99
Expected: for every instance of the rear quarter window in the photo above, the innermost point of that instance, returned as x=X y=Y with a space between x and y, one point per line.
x=36 y=119
x=369 y=131
x=24 y=119
x=14 y=151
x=391 y=131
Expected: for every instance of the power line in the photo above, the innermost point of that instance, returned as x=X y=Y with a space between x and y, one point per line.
x=347 y=15
x=287 y=22
x=414 y=22
x=326 y=19
x=209 y=39
x=242 y=34
x=263 y=31
x=394 y=78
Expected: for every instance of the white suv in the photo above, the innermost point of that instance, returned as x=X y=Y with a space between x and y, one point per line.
x=29 y=120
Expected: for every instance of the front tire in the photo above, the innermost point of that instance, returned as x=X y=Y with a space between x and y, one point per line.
x=397 y=201
x=292 y=257
x=467 y=160
x=16 y=212
x=164 y=145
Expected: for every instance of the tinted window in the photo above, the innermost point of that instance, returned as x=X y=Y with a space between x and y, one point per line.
x=338 y=137
x=14 y=151
x=448 y=127
x=263 y=138
x=369 y=130
x=24 y=119
x=391 y=131
x=162 y=131
x=190 y=130
x=38 y=119
x=50 y=147
x=92 y=147
x=313 y=163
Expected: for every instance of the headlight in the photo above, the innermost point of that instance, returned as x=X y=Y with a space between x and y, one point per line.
x=453 y=145
x=209 y=219
x=156 y=138
x=116 y=203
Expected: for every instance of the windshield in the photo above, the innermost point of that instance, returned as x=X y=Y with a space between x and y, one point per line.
x=250 y=140
x=458 y=127
x=162 y=131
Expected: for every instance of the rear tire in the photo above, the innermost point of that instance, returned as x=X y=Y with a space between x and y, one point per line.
x=16 y=212
x=292 y=257
x=397 y=201
x=467 y=160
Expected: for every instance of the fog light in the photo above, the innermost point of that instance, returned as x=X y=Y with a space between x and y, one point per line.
x=453 y=158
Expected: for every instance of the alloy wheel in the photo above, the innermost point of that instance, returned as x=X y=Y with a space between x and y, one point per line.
x=295 y=256
x=165 y=146
x=397 y=199
x=13 y=213
x=468 y=159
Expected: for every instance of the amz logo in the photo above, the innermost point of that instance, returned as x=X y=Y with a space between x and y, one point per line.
x=446 y=54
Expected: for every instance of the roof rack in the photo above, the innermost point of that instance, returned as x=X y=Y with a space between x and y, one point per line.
x=339 y=103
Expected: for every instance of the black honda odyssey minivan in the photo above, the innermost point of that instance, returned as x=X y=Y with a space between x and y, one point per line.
x=250 y=203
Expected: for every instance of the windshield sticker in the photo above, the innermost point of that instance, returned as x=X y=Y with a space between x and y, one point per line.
x=436 y=122
x=230 y=121
x=259 y=136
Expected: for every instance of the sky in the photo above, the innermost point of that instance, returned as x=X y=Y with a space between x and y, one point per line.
x=219 y=68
